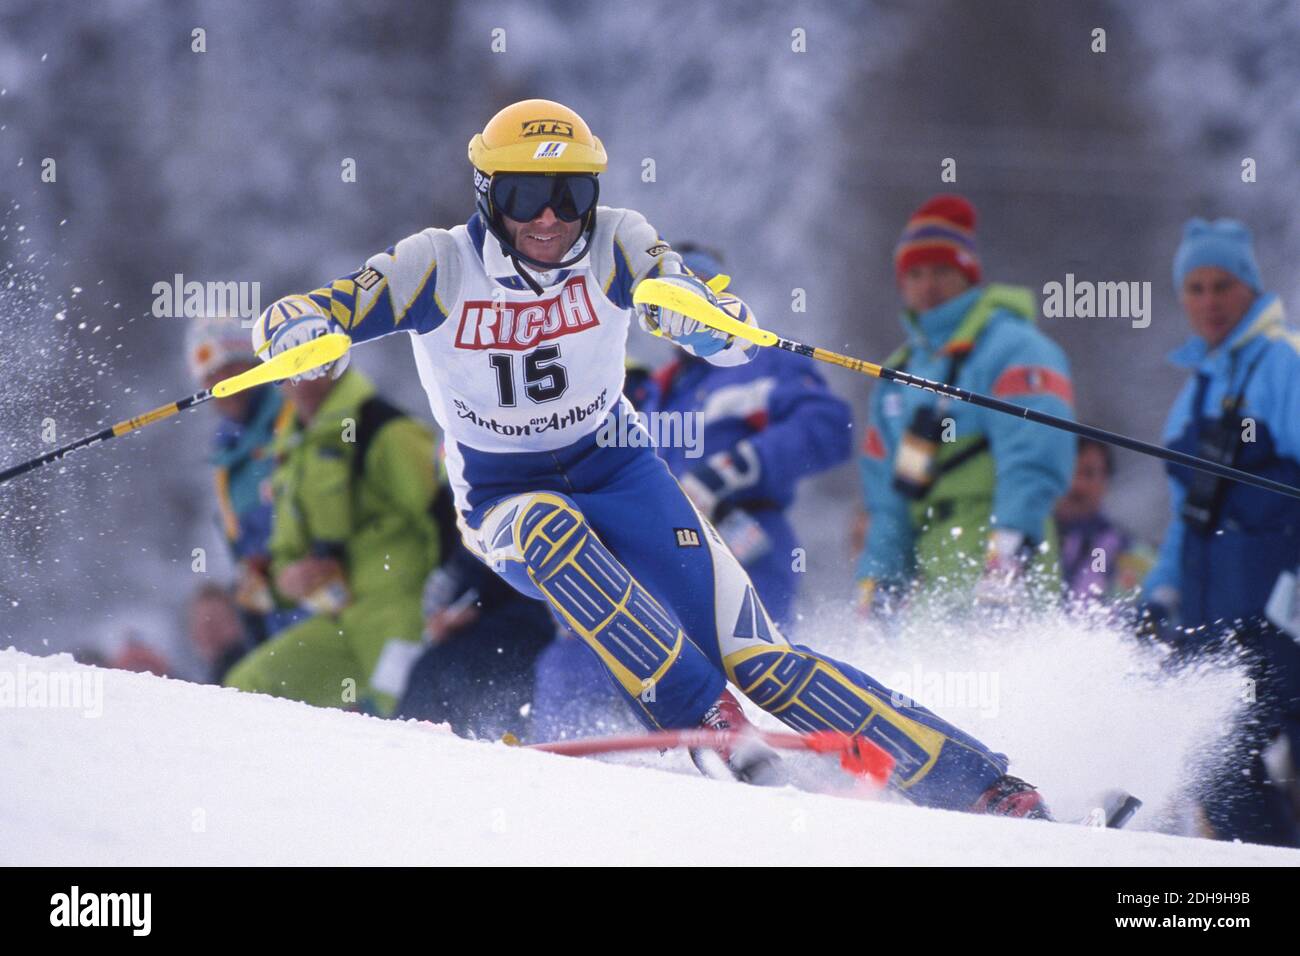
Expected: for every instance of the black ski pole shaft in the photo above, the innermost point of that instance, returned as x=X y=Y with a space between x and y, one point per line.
x=113 y=431
x=314 y=353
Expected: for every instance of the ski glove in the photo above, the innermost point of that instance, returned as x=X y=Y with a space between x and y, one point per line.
x=1002 y=583
x=695 y=337
x=291 y=321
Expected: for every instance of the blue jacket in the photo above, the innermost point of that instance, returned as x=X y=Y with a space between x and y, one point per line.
x=243 y=460
x=795 y=423
x=1010 y=359
x=1230 y=571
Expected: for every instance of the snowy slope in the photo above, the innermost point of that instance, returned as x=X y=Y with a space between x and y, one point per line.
x=175 y=773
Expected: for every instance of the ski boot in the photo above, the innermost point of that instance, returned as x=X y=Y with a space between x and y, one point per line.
x=749 y=760
x=1011 y=797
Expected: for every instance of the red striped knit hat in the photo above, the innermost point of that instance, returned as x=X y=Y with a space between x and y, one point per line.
x=941 y=231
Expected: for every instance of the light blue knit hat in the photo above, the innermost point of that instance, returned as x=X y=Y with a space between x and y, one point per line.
x=1225 y=243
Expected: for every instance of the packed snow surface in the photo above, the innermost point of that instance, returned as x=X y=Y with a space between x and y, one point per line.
x=134 y=769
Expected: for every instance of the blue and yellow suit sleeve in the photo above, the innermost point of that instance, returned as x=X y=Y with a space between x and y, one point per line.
x=407 y=288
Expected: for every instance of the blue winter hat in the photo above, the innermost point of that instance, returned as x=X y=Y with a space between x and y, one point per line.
x=1225 y=243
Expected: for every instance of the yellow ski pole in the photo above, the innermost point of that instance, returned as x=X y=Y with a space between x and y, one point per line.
x=319 y=351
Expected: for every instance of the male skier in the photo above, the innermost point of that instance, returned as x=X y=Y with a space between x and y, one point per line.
x=519 y=322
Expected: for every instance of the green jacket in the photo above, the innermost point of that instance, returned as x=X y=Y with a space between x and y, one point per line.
x=992 y=470
x=372 y=515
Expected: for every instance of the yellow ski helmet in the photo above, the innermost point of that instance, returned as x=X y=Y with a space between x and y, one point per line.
x=536 y=138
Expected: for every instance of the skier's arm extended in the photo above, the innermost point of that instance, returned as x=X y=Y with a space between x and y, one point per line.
x=404 y=289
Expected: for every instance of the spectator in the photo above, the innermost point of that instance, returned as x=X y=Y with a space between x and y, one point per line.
x=135 y=654
x=1225 y=574
x=218 y=348
x=959 y=496
x=1099 y=559
x=353 y=542
x=217 y=630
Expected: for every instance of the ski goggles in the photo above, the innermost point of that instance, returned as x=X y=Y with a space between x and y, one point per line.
x=523 y=196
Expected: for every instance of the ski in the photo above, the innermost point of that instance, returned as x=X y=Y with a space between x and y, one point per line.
x=857 y=755
x=1116 y=809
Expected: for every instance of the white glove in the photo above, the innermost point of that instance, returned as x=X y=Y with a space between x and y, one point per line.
x=292 y=321
x=695 y=337
x=1002 y=583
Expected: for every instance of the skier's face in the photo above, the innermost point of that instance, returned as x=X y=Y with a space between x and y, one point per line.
x=1215 y=300
x=928 y=286
x=546 y=238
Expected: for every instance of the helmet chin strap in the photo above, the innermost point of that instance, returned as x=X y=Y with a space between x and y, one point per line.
x=517 y=258
x=526 y=276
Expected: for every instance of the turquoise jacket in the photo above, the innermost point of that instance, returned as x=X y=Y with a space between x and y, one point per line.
x=1006 y=357
x=1228 y=571
x=244 y=459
